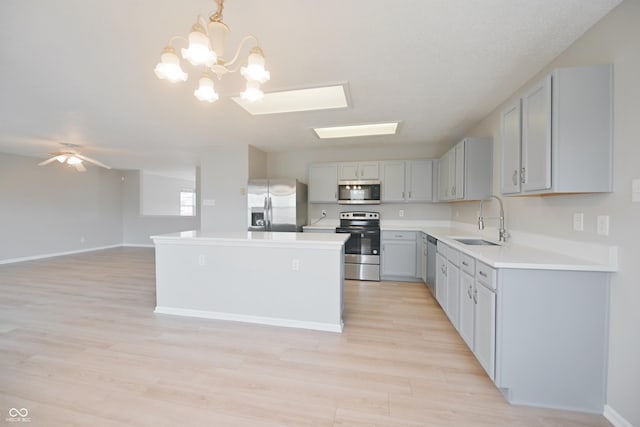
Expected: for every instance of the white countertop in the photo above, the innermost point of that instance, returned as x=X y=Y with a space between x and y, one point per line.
x=271 y=239
x=512 y=255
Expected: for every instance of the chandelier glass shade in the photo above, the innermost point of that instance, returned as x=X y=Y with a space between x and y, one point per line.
x=205 y=48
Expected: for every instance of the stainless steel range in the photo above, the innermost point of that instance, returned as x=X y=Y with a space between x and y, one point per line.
x=362 y=249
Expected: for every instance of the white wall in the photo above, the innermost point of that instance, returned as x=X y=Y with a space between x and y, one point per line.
x=616 y=39
x=55 y=209
x=137 y=228
x=160 y=195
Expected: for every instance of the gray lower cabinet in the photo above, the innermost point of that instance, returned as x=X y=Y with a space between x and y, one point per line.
x=541 y=335
x=399 y=256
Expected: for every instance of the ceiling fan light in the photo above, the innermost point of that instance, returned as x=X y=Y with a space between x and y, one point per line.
x=73 y=160
x=199 y=51
x=206 y=91
x=61 y=158
x=255 y=67
x=253 y=92
x=169 y=66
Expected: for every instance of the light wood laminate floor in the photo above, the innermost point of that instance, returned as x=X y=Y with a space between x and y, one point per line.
x=80 y=346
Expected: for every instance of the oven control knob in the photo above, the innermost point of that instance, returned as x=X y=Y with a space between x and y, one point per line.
x=375 y=252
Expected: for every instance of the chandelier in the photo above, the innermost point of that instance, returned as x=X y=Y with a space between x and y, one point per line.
x=205 y=49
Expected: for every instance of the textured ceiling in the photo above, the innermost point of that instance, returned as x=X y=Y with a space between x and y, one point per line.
x=82 y=71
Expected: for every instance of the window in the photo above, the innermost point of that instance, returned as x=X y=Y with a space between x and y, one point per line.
x=187 y=203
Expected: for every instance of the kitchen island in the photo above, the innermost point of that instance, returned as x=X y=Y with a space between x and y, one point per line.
x=283 y=279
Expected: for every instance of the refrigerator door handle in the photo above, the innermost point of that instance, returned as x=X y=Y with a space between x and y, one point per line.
x=265 y=213
x=270 y=207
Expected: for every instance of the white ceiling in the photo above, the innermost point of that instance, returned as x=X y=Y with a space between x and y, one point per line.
x=82 y=71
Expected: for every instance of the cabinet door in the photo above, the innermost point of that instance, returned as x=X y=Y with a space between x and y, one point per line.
x=323 y=183
x=419 y=181
x=457 y=171
x=467 y=308
x=369 y=170
x=511 y=139
x=536 y=137
x=393 y=180
x=399 y=258
x=485 y=328
x=441 y=280
x=453 y=276
x=348 y=170
x=443 y=177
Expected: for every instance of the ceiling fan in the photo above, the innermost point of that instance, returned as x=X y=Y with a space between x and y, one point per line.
x=72 y=158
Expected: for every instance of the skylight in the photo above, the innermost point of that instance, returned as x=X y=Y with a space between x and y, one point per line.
x=318 y=98
x=357 y=130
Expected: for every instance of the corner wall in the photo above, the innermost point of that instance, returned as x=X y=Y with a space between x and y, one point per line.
x=613 y=40
x=54 y=209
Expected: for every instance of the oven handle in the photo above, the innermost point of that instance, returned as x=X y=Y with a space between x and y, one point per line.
x=343 y=230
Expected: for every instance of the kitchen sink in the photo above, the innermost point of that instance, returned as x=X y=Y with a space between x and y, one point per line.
x=474 y=241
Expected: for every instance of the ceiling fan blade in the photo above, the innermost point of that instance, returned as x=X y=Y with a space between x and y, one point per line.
x=90 y=160
x=80 y=167
x=46 y=162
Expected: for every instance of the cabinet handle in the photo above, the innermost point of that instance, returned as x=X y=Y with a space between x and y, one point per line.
x=409 y=194
x=514 y=178
x=469 y=292
x=523 y=176
x=475 y=296
x=465 y=264
x=403 y=194
x=453 y=190
x=483 y=274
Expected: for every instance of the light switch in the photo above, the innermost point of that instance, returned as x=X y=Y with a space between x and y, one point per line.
x=578 y=221
x=401 y=213
x=603 y=225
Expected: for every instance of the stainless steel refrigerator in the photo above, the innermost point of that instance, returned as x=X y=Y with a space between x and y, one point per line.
x=277 y=204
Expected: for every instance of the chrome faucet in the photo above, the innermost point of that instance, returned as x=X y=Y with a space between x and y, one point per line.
x=502 y=232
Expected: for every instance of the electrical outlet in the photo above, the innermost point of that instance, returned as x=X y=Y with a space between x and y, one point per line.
x=578 y=221
x=295 y=264
x=201 y=260
x=603 y=225
x=401 y=213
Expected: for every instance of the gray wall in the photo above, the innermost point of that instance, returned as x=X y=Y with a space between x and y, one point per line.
x=224 y=172
x=55 y=209
x=137 y=228
x=160 y=195
x=613 y=40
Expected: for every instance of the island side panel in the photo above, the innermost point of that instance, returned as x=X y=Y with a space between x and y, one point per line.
x=551 y=343
x=297 y=286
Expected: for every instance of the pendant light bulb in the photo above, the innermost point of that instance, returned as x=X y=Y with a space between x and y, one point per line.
x=206 y=91
x=199 y=51
x=169 y=66
x=253 y=92
x=255 y=67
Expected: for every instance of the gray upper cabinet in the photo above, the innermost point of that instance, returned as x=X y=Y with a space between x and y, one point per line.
x=323 y=183
x=557 y=138
x=406 y=181
x=359 y=170
x=465 y=172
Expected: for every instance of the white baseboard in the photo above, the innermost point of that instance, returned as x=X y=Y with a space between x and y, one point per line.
x=272 y=321
x=51 y=255
x=615 y=418
x=138 y=245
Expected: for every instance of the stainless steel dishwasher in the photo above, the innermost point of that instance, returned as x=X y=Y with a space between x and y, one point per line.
x=432 y=245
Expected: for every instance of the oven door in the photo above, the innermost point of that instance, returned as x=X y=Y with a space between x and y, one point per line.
x=363 y=246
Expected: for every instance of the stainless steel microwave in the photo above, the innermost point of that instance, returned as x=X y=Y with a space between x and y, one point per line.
x=359 y=192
